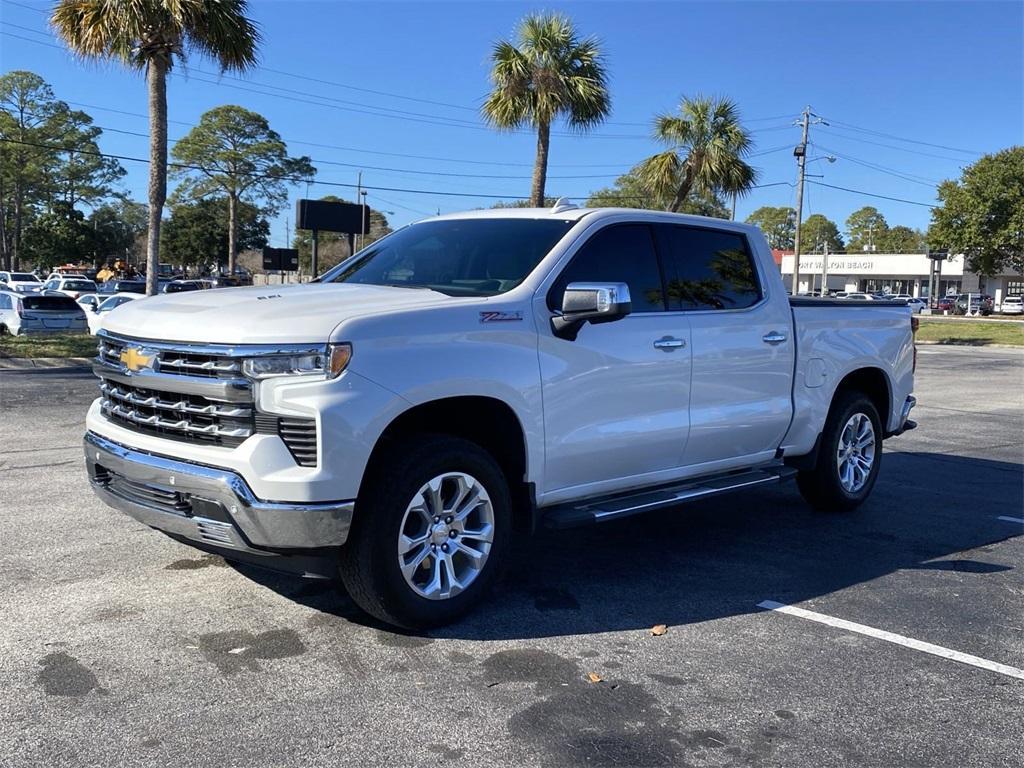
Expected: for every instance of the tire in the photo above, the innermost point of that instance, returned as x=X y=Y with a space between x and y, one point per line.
x=426 y=595
x=836 y=485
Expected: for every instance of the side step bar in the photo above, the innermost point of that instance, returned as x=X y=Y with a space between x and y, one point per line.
x=615 y=507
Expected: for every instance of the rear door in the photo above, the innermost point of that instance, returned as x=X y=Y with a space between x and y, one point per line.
x=741 y=342
x=616 y=398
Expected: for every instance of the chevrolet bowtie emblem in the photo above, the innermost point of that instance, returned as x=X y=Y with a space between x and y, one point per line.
x=135 y=359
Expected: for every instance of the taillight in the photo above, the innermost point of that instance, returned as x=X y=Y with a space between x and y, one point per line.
x=21 y=311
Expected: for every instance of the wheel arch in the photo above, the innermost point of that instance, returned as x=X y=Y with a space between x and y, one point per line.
x=872 y=382
x=486 y=421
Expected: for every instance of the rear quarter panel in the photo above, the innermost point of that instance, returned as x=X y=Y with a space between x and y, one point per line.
x=833 y=342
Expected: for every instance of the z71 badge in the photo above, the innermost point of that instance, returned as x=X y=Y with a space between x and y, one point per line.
x=501 y=317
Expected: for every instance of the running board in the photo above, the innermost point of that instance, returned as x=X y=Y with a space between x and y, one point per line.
x=615 y=507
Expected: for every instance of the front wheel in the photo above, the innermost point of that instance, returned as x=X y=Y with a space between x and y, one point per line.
x=849 y=456
x=432 y=530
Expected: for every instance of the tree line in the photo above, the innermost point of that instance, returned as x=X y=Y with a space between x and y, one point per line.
x=233 y=164
x=865 y=230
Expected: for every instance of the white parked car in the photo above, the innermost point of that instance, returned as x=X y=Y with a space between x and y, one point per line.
x=859 y=297
x=101 y=310
x=70 y=286
x=1012 y=305
x=22 y=282
x=89 y=301
x=915 y=303
x=475 y=375
x=24 y=314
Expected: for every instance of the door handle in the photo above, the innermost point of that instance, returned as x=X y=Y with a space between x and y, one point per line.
x=669 y=343
x=773 y=337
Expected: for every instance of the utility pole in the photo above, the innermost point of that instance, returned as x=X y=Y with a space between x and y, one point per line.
x=801 y=159
x=362 y=212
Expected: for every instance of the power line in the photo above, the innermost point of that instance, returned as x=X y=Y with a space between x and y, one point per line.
x=303 y=180
x=881 y=168
x=363 y=166
x=350 y=149
x=902 y=138
x=843 y=135
x=872 y=194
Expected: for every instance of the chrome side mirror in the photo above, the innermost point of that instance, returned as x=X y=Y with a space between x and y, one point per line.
x=590 y=303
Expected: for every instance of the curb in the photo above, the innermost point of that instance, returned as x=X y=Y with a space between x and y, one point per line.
x=30 y=363
x=967 y=343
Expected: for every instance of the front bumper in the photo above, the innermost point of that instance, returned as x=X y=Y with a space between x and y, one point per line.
x=208 y=506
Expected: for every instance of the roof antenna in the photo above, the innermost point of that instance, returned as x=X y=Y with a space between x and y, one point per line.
x=562 y=204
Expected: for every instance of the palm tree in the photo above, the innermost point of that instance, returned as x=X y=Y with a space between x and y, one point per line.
x=706 y=155
x=150 y=35
x=549 y=72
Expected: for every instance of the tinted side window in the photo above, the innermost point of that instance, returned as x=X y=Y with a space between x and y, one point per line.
x=708 y=269
x=622 y=253
x=5 y=302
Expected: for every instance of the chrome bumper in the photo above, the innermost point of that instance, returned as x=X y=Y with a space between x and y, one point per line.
x=210 y=506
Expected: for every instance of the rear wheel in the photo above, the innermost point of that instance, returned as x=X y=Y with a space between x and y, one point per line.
x=849 y=456
x=432 y=530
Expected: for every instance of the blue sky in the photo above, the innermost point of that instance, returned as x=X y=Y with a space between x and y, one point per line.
x=404 y=82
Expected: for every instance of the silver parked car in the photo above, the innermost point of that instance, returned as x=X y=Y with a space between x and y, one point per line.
x=35 y=314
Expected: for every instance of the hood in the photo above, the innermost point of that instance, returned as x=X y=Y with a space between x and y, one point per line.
x=266 y=314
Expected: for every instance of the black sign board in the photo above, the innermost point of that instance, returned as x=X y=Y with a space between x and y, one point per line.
x=329 y=216
x=938 y=255
x=280 y=259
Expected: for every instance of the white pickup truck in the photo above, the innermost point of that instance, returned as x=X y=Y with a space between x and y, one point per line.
x=478 y=374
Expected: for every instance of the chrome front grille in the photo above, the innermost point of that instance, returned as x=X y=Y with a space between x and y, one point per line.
x=194 y=393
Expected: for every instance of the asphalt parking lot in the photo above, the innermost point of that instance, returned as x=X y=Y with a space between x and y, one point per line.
x=119 y=646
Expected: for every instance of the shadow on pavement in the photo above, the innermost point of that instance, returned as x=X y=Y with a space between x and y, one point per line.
x=721 y=557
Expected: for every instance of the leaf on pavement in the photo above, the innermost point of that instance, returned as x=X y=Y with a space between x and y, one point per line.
x=658 y=630
x=594 y=677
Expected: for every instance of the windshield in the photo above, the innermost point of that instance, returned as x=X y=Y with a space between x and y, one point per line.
x=457 y=257
x=79 y=285
x=23 y=277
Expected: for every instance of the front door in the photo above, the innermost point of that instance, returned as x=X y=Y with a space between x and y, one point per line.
x=615 y=398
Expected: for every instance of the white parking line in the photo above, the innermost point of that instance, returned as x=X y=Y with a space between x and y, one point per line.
x=1018 y=520
x=892 y=637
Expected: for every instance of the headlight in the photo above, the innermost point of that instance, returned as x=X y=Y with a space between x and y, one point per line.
x=329 y=365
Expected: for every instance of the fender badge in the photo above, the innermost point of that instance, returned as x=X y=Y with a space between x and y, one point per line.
x=501 y=317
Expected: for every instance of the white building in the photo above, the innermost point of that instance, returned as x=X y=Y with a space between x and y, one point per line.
x=872 y=272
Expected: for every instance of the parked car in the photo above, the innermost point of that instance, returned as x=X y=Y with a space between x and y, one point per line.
x=859 y=297
x=915 y=303
x=981 y=305
x=32 y=314
x=101 y=311
x=312 y=427
x=945 y=304
x=89 y=301
x=22 y=282
x=72 y=287
x=223 y=281
x=130 y=286
x=1012 y=305
x=180 y=286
